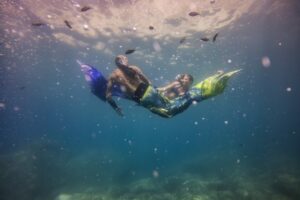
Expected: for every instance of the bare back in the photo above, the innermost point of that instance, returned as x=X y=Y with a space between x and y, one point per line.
x=128 y=82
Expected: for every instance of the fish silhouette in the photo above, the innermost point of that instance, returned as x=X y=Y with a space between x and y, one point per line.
x=215 y=37
x=205 y=39
x=38 y=24
x=85 y=8
x=129 y=51
x=68 y=24
x=193 y=14
x=182 y=40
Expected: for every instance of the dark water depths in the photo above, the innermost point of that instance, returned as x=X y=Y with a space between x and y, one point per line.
x=58 y=141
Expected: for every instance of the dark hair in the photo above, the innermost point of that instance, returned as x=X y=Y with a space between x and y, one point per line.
x=180 y=76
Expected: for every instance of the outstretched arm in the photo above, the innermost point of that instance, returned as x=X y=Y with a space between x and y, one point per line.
x=114 y=105
x=167 y=87
x=172 y=108
x=109 y=98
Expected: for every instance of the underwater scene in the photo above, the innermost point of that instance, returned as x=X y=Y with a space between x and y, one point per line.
x=76 y=123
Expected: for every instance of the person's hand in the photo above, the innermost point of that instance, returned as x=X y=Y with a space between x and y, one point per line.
x=119 y=111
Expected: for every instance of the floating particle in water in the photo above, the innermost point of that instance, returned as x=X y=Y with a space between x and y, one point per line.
x=265 y=61
x=279 y=44
x=49 y=16
x=244 y=115
x=195 y=102
x=76 y=5
x=16 y=108
x=288 y=89
x=155 y=150
x=156 y=46
x=85 y=27
x=33 y=157
x=203 y=118
x=134 y=28
x=155 y=174
x=229 y=61
x=238 y=161
x=2 y=106
x=93 y=135
x=196 y=123
x=226 y=122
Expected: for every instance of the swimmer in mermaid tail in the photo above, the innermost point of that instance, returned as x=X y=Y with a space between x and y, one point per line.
x=130 y=83
x=209 y=87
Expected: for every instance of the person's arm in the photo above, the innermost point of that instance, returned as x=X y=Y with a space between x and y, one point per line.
x=114 y=105
x=167 y=87
x=109 y=98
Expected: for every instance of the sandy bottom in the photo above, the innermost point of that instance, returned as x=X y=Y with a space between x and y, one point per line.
x=237 y=185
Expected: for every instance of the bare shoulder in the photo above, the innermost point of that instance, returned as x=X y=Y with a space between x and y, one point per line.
x=135 y=68
x=115 y=73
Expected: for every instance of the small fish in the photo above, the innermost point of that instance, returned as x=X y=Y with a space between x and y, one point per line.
x=129 y=51
x=205 y=39
x=85 y=8
x=193 y=14
x=68 y=24
x=215 y=37
x=151 y=27
x=38 y=24
x=182 y=40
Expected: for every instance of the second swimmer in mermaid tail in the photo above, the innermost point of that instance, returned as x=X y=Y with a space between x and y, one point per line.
x=209 y=87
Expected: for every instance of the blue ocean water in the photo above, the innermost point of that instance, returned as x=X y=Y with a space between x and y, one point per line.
x=58 y=141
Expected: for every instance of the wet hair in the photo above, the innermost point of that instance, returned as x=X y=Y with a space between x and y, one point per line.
x=180 y=76
x=121 y=60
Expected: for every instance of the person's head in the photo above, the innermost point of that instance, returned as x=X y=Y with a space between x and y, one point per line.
x=121 y=61
x=186 y=80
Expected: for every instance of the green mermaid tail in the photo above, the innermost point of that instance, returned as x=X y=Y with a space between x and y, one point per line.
x=207 y=88
x=215 y=84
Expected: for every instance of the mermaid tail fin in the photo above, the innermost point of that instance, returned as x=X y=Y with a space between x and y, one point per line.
x=215 y=84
